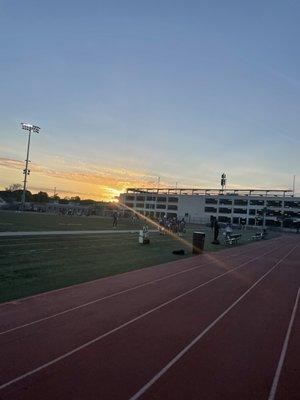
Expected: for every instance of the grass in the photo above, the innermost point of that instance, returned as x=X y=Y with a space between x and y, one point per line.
x=16 y=221
x=34 y=265
x=31 y=265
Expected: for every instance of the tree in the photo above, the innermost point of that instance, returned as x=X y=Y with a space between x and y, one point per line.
x=15 y=195
x=75 y=198
x=87 y=202
x=65 y=200
x=40 y=197
x=13 y=187
x=55 y=197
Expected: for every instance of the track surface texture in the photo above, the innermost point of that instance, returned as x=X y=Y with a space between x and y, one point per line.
x=222 y=326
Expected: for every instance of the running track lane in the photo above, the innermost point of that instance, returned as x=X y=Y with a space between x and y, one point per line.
x=239 y=356
x=288 y=383
x=131 y=356
x=41 y=343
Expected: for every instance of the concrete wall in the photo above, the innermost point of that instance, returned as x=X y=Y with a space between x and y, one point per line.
x=192 y=208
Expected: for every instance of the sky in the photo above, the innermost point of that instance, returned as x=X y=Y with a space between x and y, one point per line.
x=128 y=91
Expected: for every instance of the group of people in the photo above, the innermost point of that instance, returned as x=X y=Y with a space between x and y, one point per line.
x=134 y=218
x=173 y=225
x=166 y=224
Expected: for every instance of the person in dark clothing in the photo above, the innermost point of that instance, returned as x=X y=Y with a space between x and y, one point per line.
x=212 y=222
x=115 y=220
x=216 y=232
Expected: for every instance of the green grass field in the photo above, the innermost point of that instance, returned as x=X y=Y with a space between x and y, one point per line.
x=16 y=221
x=35 y=264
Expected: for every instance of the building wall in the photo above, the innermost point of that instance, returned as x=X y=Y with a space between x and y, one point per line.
x=151 y=204
x=191 y=207
x=230 y=208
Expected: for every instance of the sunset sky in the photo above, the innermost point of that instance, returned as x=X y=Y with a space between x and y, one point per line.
x=126 y=91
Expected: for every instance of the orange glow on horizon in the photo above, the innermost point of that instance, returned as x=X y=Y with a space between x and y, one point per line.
x=87 y=182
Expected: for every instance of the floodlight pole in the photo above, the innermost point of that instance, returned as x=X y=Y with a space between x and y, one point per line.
x=26 y=171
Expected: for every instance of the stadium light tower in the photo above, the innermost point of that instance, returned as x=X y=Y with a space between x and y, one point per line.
x=30 y=128
x=223 y=181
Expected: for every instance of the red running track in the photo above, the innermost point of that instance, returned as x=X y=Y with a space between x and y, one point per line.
x=222 y=326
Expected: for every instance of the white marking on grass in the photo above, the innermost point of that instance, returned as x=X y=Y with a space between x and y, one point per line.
x=19 y=253
x=168 y=276
x=57 y=233
x=174 y=360
x=118 y=328
x=284 y=350
x=42 y=241
x=65 y=224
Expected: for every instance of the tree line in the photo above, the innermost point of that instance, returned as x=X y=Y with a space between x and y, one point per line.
x=13 y=193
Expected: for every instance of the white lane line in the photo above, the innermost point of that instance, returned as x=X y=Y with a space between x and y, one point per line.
x=284 y=350
x=156 y=377
x=83 y=346
x=119 y=293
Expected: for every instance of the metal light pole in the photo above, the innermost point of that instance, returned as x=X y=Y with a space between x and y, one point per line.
x=223 y=181
x=26 y=171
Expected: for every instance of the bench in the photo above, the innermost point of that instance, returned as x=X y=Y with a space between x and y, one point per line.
x=258 y=236
x=232 y=238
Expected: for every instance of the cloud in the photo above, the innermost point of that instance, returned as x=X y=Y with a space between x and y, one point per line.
x=87 y=179
x=10 y=163
x=285 y=77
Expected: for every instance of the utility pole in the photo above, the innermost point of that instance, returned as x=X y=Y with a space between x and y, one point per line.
x=30 y=128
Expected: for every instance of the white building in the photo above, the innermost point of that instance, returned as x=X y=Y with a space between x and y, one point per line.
x=278 y=207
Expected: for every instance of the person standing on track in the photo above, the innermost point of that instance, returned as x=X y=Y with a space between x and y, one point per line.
x=216 y=232
x=212 y=222
x=115 y=220
x=181 y=227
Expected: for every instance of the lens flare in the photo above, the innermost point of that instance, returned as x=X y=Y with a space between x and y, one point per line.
x=211 y=257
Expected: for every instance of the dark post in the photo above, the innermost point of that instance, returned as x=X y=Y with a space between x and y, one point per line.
x=198 y=242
